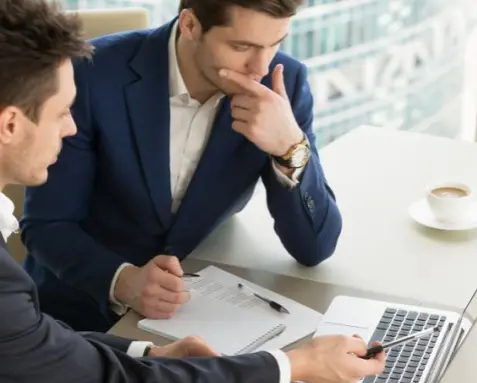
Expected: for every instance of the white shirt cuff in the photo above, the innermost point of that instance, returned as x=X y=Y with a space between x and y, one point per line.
x=136 y=349
x=285 y=180
x=116 y=306
x=283 y=365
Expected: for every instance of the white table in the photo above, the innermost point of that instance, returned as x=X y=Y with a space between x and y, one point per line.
x=376 y=174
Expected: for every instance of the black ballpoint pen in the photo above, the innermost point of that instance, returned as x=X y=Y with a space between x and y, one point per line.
x=190 y=275
x=274 y=305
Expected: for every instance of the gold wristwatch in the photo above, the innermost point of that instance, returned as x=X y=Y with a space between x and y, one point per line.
x=296 y=157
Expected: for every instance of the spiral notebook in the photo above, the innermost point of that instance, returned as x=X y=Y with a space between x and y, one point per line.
x=228 y=329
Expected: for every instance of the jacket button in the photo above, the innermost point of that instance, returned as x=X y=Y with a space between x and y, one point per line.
x=311 y=205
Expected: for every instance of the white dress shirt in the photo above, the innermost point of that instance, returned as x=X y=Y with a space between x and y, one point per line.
x=9 y=224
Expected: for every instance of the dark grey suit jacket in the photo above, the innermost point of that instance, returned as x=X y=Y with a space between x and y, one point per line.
x=35 y=348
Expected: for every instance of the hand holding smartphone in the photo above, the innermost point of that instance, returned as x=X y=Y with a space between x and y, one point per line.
x=408 y=338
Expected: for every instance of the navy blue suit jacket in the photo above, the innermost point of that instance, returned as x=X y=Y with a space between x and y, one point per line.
x=34 y=348
x=108 y=198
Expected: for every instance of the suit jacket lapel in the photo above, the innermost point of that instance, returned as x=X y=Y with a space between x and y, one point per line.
x=148 y=104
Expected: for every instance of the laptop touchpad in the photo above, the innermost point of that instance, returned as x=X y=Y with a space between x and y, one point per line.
x=336 y=328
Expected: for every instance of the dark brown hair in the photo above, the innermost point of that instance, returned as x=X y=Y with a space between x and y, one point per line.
x=212 y=13
x=35 y=38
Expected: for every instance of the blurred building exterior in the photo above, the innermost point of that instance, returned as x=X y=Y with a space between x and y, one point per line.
x=393 y=63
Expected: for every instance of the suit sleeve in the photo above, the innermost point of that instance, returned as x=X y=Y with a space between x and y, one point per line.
x=36 y=348
x=51 y=228
x=112 y=341
x=306 y=217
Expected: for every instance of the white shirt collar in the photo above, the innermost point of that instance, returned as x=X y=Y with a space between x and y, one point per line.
x=177 y=86
x=8 y=222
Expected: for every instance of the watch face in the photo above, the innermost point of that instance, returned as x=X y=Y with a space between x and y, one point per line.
x=300 y=157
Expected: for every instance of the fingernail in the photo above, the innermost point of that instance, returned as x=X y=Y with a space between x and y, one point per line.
x=223 y=73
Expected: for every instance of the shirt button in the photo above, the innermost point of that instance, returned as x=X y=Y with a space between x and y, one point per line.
x=168 y=250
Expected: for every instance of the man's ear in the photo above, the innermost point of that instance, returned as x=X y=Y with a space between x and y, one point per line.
x=189 y=25
x=10 y=119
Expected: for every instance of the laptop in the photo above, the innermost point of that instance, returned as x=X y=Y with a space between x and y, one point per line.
x=421 y=361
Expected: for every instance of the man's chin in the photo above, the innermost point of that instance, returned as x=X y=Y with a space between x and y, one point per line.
x=37 y=179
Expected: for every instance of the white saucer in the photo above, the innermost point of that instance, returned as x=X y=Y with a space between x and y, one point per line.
x=421 y=213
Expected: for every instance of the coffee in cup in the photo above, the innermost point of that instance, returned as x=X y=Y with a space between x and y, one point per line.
x=449 y=192
x=450 y=201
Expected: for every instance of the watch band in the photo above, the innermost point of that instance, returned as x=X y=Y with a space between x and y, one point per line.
x=147 y=350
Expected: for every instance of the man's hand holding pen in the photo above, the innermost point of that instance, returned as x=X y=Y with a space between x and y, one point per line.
x=155 y=290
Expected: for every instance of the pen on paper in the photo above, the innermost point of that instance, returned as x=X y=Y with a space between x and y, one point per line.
x=274 y=305
x=190 y=275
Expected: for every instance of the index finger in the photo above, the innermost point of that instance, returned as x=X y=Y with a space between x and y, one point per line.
x=244 y=82
x=356 y=346
x=169 y=263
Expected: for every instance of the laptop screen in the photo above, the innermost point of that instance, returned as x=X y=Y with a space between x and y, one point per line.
x=466 y=321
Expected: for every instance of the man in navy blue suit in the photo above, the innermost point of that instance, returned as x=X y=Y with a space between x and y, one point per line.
x=175 y=127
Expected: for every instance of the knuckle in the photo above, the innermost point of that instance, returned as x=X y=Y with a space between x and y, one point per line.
x=148 y=291
x=169 y=260
x=157 y=259
x=151 y=273
x=192 y=339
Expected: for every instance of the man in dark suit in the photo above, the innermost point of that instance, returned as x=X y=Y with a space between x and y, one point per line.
x=37 y=89
x=169 y=146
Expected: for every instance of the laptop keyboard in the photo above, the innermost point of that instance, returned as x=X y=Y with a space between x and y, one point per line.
x=405 y=363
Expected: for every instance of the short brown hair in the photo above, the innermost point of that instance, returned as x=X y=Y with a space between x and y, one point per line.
x=212 y=13
x=35 y=38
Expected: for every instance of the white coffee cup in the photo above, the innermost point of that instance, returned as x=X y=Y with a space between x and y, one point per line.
x=450 y=202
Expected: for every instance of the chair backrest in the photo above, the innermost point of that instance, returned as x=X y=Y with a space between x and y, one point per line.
x=100 y=22
x=96 y=22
